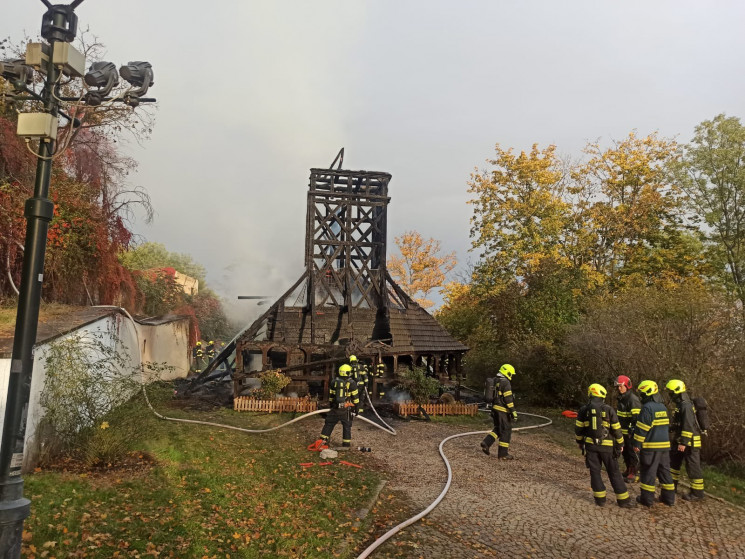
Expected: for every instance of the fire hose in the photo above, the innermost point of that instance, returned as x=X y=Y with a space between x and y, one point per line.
x=378 y=542
x=389 y=429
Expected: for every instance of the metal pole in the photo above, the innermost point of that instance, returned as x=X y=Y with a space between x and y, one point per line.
x=14 y=508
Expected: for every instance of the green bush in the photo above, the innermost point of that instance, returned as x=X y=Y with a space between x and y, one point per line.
x=420 y=386
x=272 y=383
x=87 y=380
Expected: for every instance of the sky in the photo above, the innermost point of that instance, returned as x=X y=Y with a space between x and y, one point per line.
x=252 y=94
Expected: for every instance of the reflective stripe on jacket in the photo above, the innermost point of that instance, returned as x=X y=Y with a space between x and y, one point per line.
x=504 y=401
x=684 y=428
x=583 y=429
x=652 y=429
x=629 y=406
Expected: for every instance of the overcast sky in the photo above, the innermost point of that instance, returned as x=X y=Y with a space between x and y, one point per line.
x=253 y=94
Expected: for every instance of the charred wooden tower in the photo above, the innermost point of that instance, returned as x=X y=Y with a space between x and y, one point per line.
x=345 y=302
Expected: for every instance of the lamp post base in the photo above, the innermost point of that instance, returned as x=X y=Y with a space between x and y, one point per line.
x=14 y=508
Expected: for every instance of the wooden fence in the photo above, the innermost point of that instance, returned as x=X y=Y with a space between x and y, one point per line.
x=458 y=408
x=246 y=403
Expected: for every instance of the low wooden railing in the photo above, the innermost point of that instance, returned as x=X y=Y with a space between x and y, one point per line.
x=246 y=403
x=458 y=408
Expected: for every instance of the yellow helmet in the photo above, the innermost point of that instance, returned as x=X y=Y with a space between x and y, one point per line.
x=598 y=390
x=353 y=358
x=507 y=370
x=648 y=387
x=344 y=370
x=676 y=386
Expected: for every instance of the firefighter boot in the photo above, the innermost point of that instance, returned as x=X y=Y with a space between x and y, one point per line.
x=504 y=454
x=627 y=504
x=486 y=443
x=694 y=495
x=600 y=501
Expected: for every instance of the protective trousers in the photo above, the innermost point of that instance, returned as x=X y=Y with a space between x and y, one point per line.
x=502 y=432
x=692 y=458
x=332 y=418
x=629 y=456
x=655 y=465
x=594 y=460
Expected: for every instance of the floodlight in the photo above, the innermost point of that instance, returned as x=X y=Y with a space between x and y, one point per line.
x=17 y=73
x=103 y=76
x=140 y=75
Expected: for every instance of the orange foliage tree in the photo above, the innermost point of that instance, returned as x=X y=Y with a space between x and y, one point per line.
x=420 y=268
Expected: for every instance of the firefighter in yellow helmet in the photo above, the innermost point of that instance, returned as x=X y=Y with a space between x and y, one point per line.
x=652 y=442
x=598 y=434
x=197 y=355
x=344 y=402
x=380 y=374
x=685 y=435
x=503 y=414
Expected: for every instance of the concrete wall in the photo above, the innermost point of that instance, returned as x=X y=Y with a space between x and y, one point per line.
x=137 y=343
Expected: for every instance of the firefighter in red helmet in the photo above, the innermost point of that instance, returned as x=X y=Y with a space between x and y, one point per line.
x=629 y=406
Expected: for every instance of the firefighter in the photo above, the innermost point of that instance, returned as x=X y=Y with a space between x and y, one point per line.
x=652 y=443
x=363 y=373
x=344 y=402
x=629 y=406
x=599 y=436
x=503 y=414
x=685 y=435
x=380 y=373
x=197 y=355
x=210 y=350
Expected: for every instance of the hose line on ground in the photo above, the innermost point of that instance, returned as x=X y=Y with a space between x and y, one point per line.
x=244 y=430
x=425 y=512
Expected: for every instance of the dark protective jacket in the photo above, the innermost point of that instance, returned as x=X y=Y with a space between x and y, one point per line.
x=684 y=428
x=629 y=406
x=504 y=401
x=652 y=429
x=584 y=429
x=343 y=393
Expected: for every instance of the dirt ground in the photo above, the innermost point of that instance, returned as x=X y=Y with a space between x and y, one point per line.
x=539 y=505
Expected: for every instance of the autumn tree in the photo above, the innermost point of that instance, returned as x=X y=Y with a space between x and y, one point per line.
x=420 y=268
x=712 y=172
x=151 y=255
x=89 y=186
x=631 y=212
x=520 y=216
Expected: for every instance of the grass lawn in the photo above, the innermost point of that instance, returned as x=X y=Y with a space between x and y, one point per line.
x=198 y=491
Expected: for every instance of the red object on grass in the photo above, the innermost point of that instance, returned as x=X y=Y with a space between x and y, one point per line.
x=349 y=464
x=318 y=446
x=569 y=414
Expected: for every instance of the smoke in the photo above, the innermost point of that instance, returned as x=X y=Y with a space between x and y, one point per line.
x=397 y=395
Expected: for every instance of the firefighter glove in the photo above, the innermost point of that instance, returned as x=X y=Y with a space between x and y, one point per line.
x=514 y=416
x=617 y=451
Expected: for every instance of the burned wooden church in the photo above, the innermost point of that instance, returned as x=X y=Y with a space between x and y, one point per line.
x=345 y=302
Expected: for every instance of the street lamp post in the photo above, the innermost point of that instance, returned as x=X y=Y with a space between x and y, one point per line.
x=59 y=26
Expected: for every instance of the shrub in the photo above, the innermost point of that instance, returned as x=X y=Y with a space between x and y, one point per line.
x=86 y=377
x=272 y=383
x=416 y=382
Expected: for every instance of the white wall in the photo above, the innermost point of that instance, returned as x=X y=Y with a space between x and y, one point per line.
x=165 y=342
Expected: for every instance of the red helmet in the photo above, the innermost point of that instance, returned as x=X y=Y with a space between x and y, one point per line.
x=623 y=380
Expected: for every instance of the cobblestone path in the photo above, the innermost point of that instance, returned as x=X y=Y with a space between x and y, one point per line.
x=539 y=505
